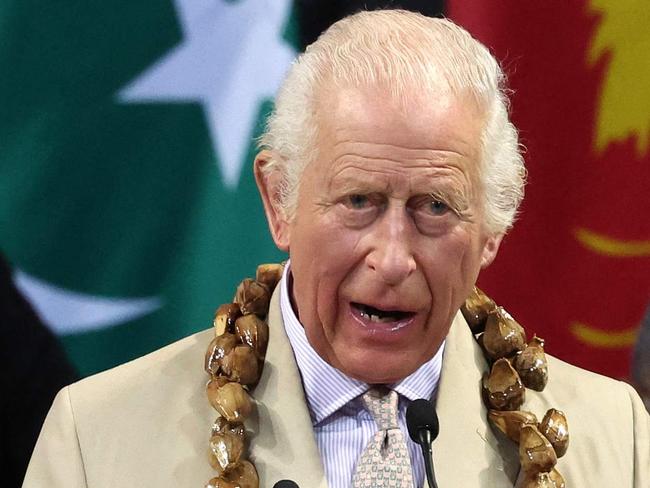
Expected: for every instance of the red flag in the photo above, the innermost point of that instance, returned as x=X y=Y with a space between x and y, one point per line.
x=576 y=267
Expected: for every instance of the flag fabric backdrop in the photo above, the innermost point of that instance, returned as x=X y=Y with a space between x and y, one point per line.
x=576 y=268
x=127 y=201
x=128 y=205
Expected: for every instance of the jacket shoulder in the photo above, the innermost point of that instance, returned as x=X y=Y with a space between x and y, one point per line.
x=573 y=380
x=146 y=414
x=590 y=396
x=605 y=419
x=181 y=358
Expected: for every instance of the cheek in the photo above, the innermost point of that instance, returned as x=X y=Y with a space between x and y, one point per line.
x=452 y=266
x=339 y=256
x=326 y=254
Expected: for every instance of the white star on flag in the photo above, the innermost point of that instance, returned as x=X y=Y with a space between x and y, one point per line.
x=232 y=57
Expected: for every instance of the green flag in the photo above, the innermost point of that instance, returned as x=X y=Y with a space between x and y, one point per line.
x=127 y=201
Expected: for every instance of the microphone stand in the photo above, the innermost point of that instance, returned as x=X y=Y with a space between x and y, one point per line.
x=425 y=441
x=423 y=427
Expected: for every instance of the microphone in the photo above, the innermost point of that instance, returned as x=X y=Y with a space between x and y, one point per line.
x=285 y=484
x=423 y=427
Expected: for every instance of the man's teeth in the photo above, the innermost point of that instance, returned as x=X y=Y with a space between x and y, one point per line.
x=376 y=318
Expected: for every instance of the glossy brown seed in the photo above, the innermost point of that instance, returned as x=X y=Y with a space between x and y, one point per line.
x=221 y=425
x=219 y=347
x=252 y=330
x=225 y=451
x=555 y=428
x=476 y=309
x=219 y=482
x=537 y=480
x=215 y=383
x=503 y=335
x=241 y=365
x=212 y=387
x=502 y=388
x=532 y=366
x=269 y=275
x=557 y=479
x=224 y=318
x=536 y=455
x=230 y=400
x=510 y=423
x=252 y=297
x=244 y=475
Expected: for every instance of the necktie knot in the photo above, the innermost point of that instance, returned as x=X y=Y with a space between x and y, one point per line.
x=385 y=462
x=382 y=405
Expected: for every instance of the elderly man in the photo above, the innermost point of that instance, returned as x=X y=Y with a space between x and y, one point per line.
x=389 y=172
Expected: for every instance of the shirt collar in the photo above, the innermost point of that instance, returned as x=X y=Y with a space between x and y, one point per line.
x=327 y=389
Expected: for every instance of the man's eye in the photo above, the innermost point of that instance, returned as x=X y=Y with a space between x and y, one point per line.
x=358 y=201
x=437 y=207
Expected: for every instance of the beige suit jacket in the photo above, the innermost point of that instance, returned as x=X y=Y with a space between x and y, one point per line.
x=147 y=423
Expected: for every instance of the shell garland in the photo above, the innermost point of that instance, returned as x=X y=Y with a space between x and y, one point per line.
x=234 y=361
x=235 y=358
x=516 y=365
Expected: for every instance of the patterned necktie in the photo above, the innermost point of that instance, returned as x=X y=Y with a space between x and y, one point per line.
x=385 y=462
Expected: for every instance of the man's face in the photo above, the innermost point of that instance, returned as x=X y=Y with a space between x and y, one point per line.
x=388 y=235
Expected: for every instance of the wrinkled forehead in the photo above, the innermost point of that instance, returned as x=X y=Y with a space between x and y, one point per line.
x=438 y=118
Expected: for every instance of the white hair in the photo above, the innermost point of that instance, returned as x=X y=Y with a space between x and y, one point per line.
x=409 y=53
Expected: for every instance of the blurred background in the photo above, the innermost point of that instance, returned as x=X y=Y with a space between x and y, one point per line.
x=128 y=210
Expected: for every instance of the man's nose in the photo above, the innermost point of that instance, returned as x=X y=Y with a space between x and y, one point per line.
x=391 y=254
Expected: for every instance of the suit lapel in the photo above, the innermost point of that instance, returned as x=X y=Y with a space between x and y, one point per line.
x=283 y=444
x=467 y=452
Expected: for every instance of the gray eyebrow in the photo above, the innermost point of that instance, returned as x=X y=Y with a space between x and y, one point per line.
x=456 y=200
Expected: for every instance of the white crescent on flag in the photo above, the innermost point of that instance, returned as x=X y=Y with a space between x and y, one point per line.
x=69 y=312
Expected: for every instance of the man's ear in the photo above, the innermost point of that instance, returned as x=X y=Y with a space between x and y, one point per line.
x=490 y=249
x=269 y=184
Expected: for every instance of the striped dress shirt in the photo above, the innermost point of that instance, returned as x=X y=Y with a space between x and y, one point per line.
x=342 y=426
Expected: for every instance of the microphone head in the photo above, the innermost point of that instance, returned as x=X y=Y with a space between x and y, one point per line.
x=421 y=415
x=285 y=484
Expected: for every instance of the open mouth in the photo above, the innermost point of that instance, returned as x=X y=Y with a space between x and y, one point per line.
x=379 y=316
